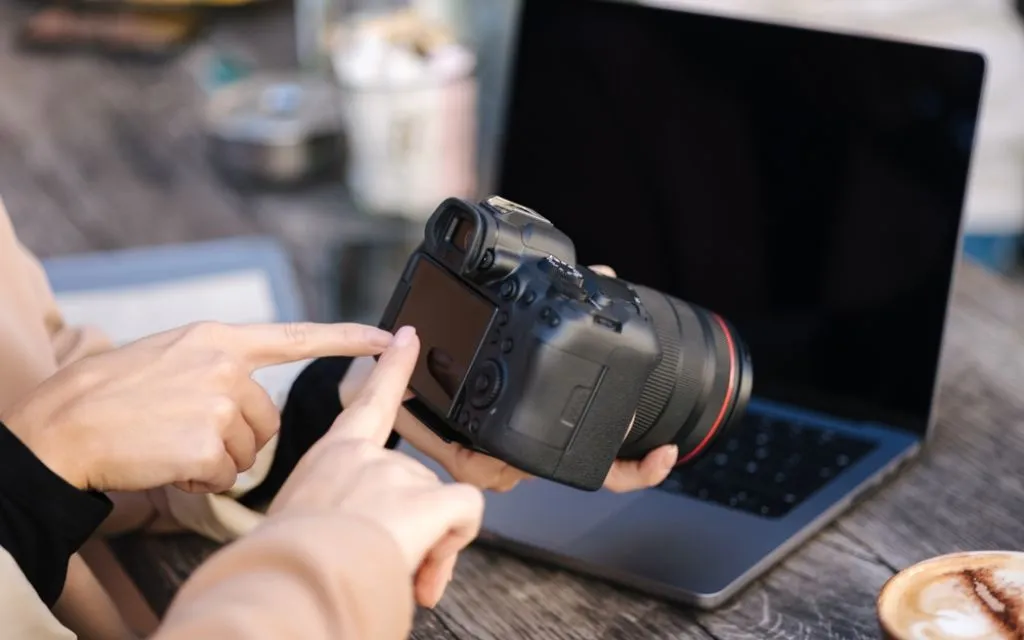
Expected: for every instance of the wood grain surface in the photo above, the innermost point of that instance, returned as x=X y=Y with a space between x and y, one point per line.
x=98 y=155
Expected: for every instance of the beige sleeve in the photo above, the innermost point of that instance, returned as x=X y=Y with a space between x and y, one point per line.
x=34 y=341
x=28 y=316
x=316 y=578
x=220 y=518
x=24 y=615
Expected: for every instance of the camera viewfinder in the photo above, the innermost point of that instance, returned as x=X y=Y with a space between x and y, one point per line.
x=461 y=234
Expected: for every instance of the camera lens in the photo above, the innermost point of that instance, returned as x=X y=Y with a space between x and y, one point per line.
x=701 y=386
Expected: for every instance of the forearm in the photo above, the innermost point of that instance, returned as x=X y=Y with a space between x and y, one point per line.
x=317 y=577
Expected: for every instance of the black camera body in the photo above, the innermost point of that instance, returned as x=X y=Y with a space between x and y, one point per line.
x=524 y=355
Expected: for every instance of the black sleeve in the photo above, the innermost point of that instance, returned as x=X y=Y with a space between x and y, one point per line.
x=43 y=519
x=312 y=405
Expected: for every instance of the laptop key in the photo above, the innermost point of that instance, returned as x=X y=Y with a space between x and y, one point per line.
x=767 y=467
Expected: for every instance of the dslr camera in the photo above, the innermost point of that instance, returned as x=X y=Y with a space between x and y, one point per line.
x=549 y=366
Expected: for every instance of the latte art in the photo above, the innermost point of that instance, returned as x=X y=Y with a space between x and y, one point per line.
x=966 y=596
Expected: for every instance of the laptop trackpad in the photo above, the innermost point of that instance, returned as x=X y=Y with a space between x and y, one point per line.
x=547 y=514
x=540 y=512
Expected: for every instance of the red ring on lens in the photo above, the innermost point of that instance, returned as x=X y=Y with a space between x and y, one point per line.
x=733 y=376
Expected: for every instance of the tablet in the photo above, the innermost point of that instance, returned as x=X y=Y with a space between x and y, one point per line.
x=136 y=292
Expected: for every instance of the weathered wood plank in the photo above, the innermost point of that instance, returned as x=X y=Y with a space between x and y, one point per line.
x=429 y=626
x=115 y=146
x=821 y=590
x=160 y=564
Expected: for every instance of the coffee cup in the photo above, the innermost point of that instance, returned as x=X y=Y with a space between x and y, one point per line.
x=961 y=596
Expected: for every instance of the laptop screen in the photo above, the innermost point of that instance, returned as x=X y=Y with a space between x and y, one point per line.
x=808 y=186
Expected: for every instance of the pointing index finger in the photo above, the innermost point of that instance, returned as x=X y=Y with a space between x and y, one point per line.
x=263 y=345
x=373 y=413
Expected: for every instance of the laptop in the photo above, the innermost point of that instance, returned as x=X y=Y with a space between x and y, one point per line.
x=809 y=187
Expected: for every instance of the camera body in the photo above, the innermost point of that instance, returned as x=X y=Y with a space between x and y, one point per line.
x=524 y=356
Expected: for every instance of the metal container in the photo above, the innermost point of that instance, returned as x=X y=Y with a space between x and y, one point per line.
x=276 y=130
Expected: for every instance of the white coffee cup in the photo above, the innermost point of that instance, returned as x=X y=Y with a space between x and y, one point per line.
x=961 y=596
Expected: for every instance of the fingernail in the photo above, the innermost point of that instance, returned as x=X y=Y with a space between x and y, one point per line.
x=671 y=456
x=436 y=596
x=404 y=337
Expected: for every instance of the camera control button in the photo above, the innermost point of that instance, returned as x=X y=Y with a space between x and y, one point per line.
x=486 y=385
x=569 y=287
x=509 y=288
x=554 y=320
x=474 y=425
x=502 y=318
x=506 y=345
x=563 y=275
x=571 y=279
x=464 y=417
x=529 y=297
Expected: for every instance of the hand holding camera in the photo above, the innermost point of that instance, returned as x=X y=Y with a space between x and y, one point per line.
x=554 y=369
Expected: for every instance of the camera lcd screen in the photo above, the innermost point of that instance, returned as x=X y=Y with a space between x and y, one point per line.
x=451 y=321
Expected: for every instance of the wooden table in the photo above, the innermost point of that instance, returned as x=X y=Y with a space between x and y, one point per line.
x=95 y=155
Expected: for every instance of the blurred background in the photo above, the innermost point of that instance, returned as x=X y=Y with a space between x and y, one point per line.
x=336 y=126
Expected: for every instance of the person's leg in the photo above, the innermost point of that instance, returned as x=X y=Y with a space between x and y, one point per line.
x=86 y=606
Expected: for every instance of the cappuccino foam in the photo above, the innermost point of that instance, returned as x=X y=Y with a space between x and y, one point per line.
x=963 y=596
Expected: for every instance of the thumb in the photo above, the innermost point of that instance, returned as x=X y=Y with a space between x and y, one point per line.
x=374 y=409
x=604 y=270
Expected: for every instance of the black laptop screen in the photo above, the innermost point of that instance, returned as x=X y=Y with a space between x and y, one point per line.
x=808 y=186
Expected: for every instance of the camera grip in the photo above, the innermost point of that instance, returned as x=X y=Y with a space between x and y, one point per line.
x=596 y=441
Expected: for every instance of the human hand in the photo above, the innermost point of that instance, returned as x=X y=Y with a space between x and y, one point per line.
x=633 y=475
x=464 y=465
x=179 y=407
x=349 y=470
x=489 y=473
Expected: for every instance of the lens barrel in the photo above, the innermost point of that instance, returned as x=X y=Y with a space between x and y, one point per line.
x=700 y=388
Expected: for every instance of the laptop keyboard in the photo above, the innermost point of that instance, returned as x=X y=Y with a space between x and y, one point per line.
x=767 y=466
